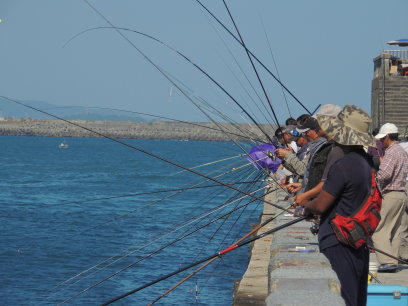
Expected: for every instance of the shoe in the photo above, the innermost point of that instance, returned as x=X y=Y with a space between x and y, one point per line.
x=386 y=268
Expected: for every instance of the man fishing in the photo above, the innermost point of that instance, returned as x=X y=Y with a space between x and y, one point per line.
x=346 y=188
x=392 y=178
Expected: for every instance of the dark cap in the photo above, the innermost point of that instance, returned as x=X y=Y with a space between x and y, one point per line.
x=307 y=123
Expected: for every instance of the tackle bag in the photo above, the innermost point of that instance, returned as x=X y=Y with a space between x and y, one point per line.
x=355 y=229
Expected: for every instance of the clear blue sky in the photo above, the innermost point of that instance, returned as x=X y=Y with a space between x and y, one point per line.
x=323 y=49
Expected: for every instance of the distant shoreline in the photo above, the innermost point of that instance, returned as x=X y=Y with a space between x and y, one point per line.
x=132 y=130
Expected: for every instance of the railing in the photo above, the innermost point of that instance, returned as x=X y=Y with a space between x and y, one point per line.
x=402 y=54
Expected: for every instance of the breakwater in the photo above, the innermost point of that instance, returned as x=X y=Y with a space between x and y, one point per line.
x=152 y=130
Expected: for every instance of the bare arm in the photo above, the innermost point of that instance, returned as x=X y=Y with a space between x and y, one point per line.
x=303 y=198
x=319 y=204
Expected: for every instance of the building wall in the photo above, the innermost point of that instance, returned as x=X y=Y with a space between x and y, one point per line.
x=389 y=97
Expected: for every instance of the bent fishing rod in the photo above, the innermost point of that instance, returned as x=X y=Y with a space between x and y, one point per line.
x=253 y=231
x=119 y=29
x=215 y=255
x=152 y=240
x=151 y=115
x=154 y=202
x=186 y=234
x=253 y=55
x=144 y=152
x=168 y=78
x=252 y=64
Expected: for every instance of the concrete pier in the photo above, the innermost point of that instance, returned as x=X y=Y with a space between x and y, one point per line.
x=286 y=268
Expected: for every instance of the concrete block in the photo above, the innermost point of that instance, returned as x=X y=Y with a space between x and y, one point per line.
x=304 y=298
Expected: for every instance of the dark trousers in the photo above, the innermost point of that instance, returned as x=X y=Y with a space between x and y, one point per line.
x=351 y=267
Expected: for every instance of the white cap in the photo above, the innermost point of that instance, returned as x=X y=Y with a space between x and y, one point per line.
x=387 y=128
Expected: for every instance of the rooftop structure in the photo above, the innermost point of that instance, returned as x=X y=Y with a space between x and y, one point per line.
x=389 y=93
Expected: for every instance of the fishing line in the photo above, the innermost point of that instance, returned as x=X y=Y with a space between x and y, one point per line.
x=252 y=232
x=274 y=62
x=253 y=65
x=247 y=92
x=217 y=254
x=134 y=147
x=246 y=77
x=158 y=250
x=212 y=260
x=211 y=163
x=150 y=115
x=144 y=206
x=226 y=118
x=129 y=251
x=253 y=55
x=171 y=229
x=118 y=30
x=225 y=220
x=131 y=195
x=199 y=254
x=165 y=75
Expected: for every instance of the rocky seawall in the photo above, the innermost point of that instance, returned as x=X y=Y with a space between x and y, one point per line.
x=132 y=130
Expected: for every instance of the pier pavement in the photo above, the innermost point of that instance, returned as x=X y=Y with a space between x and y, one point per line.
x=286 y=267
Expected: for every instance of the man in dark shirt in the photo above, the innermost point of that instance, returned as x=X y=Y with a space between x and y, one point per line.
x=346 y=187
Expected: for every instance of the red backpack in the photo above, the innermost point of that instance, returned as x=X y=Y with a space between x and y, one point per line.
x=355 y=229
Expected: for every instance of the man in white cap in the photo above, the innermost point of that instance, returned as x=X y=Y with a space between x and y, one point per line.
x=392 y=180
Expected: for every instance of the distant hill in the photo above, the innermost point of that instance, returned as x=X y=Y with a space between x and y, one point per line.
x=14 y=110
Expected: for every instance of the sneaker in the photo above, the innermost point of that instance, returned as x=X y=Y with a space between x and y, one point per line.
x=386 y=268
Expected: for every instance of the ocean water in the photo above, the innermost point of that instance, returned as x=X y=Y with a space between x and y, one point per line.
x=68 y=221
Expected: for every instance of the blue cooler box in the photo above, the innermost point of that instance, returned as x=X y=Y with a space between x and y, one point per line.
x=384 y=295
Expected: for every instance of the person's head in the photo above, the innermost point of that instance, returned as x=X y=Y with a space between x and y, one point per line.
x=301 y=140
x=348 y=128
x=290 y=121
x=308 y=127
x=285 y=134
x=388 y=134
x=331 y=110
x=279 y=134
x=375 y=132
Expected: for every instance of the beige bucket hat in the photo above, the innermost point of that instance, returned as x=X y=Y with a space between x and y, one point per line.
x=349 y=127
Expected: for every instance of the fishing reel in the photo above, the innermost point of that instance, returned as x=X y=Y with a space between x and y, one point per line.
x=271 y=155
x=314 y=229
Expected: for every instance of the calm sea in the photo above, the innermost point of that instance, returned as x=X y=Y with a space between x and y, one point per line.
x=68 y=221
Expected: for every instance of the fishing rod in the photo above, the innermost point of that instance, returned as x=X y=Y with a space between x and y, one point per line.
x=370 y=246
x=161 y=248
x=146 y=205
x=118 y=30
x=253 y=231
x=242 y=211
x=274 y=62
x=252 y=63
x=160 y=70
x=151 y=115
x=141 y=150
x=147 y=193
x=151 y=240
x=150 y=61
x=246 y=77
x=211 y=163
x=217 y=254
x=253 y=55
